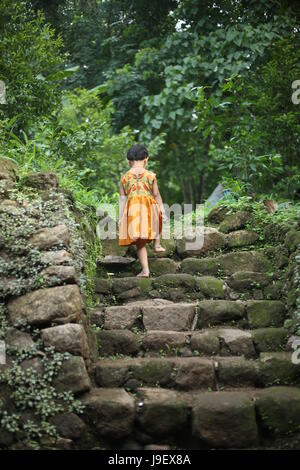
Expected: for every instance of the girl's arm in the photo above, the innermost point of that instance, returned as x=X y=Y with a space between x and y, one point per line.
x=158 y=199
x=122 y=201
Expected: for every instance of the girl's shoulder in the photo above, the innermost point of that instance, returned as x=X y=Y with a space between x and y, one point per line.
x=150 y=174
x=124 y=176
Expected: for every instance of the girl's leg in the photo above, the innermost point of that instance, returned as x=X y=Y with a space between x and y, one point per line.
x=143 y=256
x=157 y=245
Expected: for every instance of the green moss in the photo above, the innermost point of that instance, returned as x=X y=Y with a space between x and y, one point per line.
x=270 y=339
x=211 y=287
x=265 y=313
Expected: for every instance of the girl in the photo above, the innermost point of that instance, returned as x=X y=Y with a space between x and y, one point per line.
x=141 y=210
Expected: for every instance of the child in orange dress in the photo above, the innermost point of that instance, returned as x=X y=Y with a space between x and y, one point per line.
x=141 y=210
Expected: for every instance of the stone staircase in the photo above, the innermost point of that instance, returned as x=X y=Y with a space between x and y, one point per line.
x=197 y=356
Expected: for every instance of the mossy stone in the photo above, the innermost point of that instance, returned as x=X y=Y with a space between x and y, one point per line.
x=207 y=266
x=152 y=372
x=102 y=286
x=241 y=238
x=278 y=409
x=292 y=240
x=159 y=266
x=234 y=221
x=269 y=339
x=187 y=281
x=264 y=313
x=276 y=368
x=211 y=286
x=144 y=285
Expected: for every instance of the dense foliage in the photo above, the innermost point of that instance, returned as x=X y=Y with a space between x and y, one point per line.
x=206 y=85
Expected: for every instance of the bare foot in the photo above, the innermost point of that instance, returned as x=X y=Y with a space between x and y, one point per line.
x=144 y=274
x=159 y=249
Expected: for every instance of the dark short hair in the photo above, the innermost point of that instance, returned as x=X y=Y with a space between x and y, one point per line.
x=137 y=152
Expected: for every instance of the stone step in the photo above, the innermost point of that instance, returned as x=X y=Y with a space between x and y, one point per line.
x=161 y=314
x=192 y=373
x=228 y=263
x=179 y=287
x=212 y=341
x=210 y=420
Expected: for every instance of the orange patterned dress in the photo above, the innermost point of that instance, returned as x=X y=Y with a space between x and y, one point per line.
x=142 y=217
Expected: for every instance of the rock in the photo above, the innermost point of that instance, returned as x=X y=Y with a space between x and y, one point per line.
x=225 y=420
x=292 y=240
x=168 y=281
x=217 y=214
x=194 y=373
x=245 y=280
x=8 y=168
x=278 y=409
x=214 y=312
x=8 y=286
x=130 y=294
x=195 y=266
x=59 y=275
x=121 y=316
x=161 y=412
x=46 y=238
x=67 y=338
x=235 y=221
x=57 y=257
x=125 y=284
x=208 y=239
x=9 y=203
x=244 y=261
x=19 y=340
x=159 y=266
x=73 y=376
x=241 y=238
x=205 y=342
x=264 y=313
x=112 y=372
x=270 y=339
x=167 y=341
x=113 y=260
x=63 y=444
x=211 y=286
x=228 y=263
x=131 y=444
x=112 y=342
x=237 y=372
x=69 y=425
x=41 y=181
x=110 y=411
x=278 y=368
x=102 y=286
x=111 y=247
x=275 y=290
x=5 y=186
x=45 y=305
x=239 y=342
x=175 y=317
x=152 y=371
x=97 y=317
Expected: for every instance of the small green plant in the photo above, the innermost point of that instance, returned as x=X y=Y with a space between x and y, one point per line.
x=34 y=390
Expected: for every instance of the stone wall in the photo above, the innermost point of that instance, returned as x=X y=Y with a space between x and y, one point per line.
x=43 y=317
